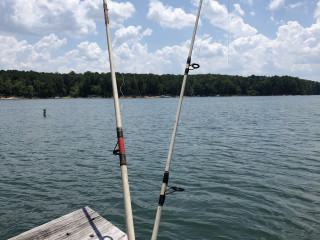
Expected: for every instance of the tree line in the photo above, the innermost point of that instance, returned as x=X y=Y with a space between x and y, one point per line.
x=30 y=84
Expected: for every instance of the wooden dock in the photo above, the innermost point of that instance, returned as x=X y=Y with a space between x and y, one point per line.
x=83 y=224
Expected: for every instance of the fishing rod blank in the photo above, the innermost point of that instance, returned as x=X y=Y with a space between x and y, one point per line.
x=165 y=180
x=120 y=142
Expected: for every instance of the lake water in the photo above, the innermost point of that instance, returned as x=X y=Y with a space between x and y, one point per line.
x=250 y=165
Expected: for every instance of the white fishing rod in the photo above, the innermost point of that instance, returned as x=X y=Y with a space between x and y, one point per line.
x=165 y=180
x=120 y=142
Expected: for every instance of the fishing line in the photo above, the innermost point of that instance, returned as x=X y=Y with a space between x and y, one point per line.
x=115 y=21
x=122 y=84
x=228 y=77
x=120 y=44
x=135 y=62
x=202 y=34
x=228 y=21
x=186 y=125
x=134 y=76
x=197 y=60
x=122 y=62
x=135 y=80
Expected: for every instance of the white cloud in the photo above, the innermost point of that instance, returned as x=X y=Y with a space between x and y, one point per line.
x=272 y=18
x=298 y=4
x=297 y=46
x=21 y=55
x=9 y=47
x=75 y=18
x=49 y=43
x=147 y=32
x=249 y=2
x=42 y=55
x=239 y=28
x=218 y=16
x=130 y=34
x=276 y=4
x=119 y=12
x=295 y=51
x=169 y=17
x=238 y=10
x=317 y=12
x=297 y=68
x=89 y=51
x=248 y=54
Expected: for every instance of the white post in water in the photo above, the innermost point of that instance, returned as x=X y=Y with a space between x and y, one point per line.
x=166 y=172
x=121 y=151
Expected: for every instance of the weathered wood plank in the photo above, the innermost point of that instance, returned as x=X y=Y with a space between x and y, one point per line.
x=83 y=224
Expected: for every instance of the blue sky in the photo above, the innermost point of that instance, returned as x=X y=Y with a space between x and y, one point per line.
x=239 y=37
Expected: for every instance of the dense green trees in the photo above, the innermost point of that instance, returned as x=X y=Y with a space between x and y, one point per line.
x=47 y=85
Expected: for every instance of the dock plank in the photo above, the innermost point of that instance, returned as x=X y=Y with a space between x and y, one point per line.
x=83 y=224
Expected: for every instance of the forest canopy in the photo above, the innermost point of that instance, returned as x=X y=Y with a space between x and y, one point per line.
x=30 y=84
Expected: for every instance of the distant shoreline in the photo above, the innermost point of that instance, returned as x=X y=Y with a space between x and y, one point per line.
x=92 y=97
x=93 y=85
x=149 y=97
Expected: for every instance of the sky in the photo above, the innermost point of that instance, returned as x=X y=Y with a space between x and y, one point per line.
x=238 y=37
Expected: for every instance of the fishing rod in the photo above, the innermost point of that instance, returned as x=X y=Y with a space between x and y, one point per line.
x=165 y=180
x=120 y=142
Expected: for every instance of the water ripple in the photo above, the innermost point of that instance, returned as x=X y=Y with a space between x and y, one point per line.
x=250 y=165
